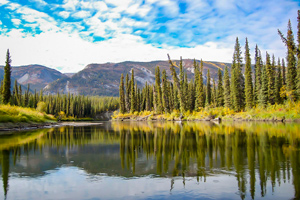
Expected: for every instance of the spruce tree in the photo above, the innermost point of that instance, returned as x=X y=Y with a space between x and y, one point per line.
x=122 y=95
x=227 y=96
x=283 y=73
x=263 y=96
x=165 y=92
x=132 y=94
x=248 y=78
x=200 y=102
x=214 y=94
x=158 y=97
x=237 y=79
x=298 y=58
x=258 y=68
x=278 y=83
x=271 y=79
x=208 y=90
x=291 y=62
x=7 y=79
x=220 y=90
x=127 y=93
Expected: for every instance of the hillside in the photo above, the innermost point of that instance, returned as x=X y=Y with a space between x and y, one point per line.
x=103 y=79
x=37 y=76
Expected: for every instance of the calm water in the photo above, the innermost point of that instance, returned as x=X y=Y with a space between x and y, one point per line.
x=130 y=160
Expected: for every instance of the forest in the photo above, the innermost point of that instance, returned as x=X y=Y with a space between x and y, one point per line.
x=241 y=88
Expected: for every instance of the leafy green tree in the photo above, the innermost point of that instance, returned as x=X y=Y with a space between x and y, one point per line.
x=127 y=94
x=122 y=95
x=248 y=78
x=6 y=94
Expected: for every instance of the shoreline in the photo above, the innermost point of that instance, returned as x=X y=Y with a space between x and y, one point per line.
x=212 y=119
x=7 y=127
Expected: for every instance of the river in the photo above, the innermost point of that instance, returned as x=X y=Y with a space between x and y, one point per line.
x=153 y=160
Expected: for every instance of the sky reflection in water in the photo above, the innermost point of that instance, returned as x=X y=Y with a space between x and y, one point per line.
x=153 y=161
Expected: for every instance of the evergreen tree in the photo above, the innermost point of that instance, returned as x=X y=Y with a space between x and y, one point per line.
x=199 y=89
x=271 y=80
x=7 y=79
x=165 y=92
x=122 y=95
x=263 y=96
x=208 y=90
x=258 y=68
x=132 y=94
x=158 y=97
x=248 y=78
x=283 y=73
x=16 y=94
x=298 y=58
x=191 y=96
x=214 y=94
x=220 y=90
x=127 y=94
x=291 y=62
x=237 y=79
x=278 y=83
x=227 y=96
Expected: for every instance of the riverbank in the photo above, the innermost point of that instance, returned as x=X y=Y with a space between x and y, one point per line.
x=289 y=112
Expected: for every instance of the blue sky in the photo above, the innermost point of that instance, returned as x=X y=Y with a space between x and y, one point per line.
x=69 y=34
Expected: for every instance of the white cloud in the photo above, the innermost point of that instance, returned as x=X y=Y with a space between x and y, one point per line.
x=3 y=2
x=16 y=22
x=64 y=14
x=0 y=22
x=81 y=14
x=12 y=6
x=70 y=4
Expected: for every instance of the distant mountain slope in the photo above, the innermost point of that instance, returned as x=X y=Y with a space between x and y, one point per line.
x=37 y=76
x=103 y=79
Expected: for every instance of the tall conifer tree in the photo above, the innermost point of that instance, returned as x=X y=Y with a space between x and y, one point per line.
x=220 y=90
x=227 y=96
x=7 y=79
x=122 y=95
x=248 y=78
x=208 y=90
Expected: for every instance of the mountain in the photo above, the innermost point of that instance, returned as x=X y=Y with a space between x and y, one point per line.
x=37 y=76
x=103 y=79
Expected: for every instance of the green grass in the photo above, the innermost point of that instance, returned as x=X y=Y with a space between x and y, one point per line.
x=15 y=114
x=287 y=111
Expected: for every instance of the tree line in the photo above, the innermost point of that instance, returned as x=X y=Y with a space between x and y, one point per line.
x=67 y=104
x=240 y=88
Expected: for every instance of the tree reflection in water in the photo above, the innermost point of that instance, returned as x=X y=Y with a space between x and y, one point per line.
x=254 y=153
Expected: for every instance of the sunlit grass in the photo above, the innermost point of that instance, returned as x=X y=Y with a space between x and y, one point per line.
x=287 y=111
x=17 y=114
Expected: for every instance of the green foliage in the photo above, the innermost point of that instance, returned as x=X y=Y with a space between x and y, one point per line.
x=248 y=78
x=122 y=95
x=208 y=90
x=41 y=107
x=7 y=79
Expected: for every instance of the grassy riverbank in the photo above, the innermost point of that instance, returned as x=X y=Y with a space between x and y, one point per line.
x=289 y=112
x=16 y=114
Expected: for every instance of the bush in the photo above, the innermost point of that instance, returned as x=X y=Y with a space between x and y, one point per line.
x=41 y=107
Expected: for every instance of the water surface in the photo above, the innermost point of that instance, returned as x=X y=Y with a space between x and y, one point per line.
x=134 y=160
